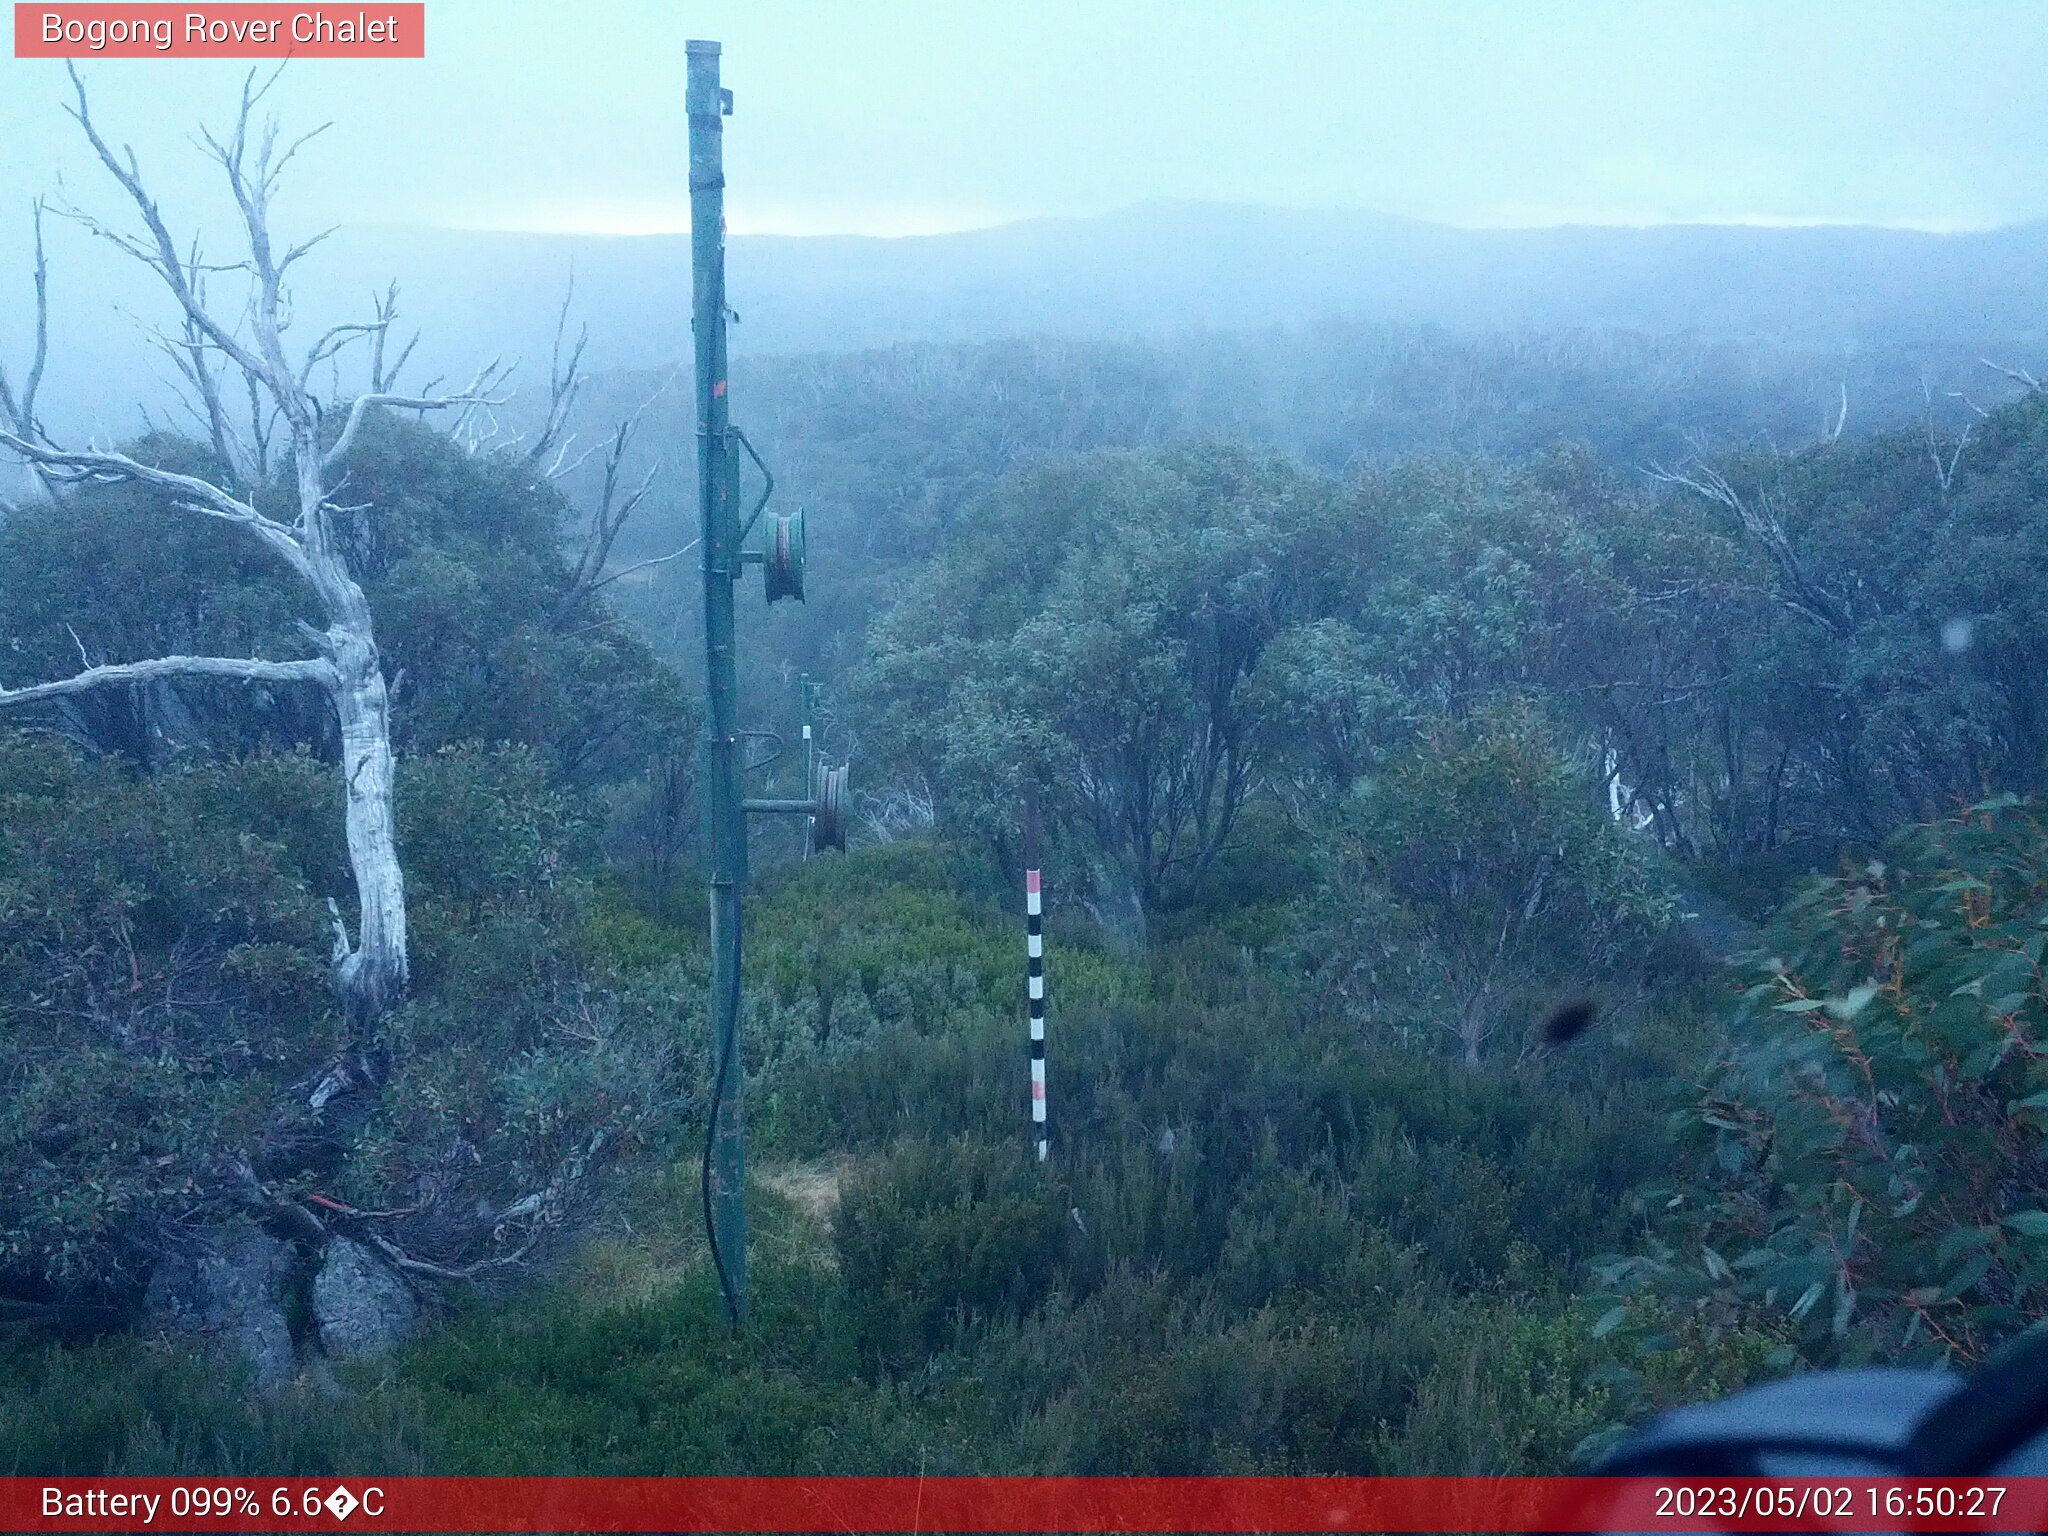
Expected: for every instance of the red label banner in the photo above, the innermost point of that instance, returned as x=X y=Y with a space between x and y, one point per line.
x=243 y=31
x=1022 y=1504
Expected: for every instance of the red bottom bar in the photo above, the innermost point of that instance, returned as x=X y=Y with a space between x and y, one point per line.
x=1022 y=1504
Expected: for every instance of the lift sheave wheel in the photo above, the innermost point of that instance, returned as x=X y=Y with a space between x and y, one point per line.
x=782 y=571
x=828 y=821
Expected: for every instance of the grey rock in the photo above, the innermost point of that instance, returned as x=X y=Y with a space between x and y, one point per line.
x=360 y=1305
x=230 y=1291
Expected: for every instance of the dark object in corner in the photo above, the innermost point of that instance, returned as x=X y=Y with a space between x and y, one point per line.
x=1569 y=1020
x=1878 y=1421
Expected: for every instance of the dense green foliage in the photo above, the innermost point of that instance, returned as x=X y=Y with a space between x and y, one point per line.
x=1473 y=876
x=1872 y=1159
x=1833 y=650
x=1097 y=627
x=164 y=1004
x=1262 y=1246
x=161 y=978
x=165 y=1009
x=1352 y=773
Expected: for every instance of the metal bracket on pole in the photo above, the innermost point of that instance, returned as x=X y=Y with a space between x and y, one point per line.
x=767 y=488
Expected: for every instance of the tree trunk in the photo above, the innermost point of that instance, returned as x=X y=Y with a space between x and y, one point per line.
x=373 y=974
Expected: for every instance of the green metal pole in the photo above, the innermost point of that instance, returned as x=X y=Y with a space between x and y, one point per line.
x=724 y=819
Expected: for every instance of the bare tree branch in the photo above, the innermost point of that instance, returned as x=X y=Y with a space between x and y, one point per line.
x=252 y=192
x=244 y=669
x=1834 y=433
x=474 y=393
x=2017 y=375
x=565 y=381
x=160 y=255
x=19 y=410
x=400 y=1259
x=1759 y=517
x=332 y=343
x=190 y=354
x=382 y=380
x=194 y=494
x=610 y=518
x=1944 y=470
x=641 y=565
x=262 y=426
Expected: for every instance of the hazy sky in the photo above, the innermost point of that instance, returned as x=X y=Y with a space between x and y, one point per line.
x=900 y=116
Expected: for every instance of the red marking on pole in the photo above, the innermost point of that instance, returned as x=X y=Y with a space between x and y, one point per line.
x=1037 y=1090
x=1031 y=881
x=718 y=389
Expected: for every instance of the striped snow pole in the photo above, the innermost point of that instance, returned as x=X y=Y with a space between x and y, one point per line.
x=1034 y=948
x=1034 y=951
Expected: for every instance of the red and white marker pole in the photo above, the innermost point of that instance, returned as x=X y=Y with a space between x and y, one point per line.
x=1034 y=950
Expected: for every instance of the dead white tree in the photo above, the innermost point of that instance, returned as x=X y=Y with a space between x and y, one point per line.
x=2017 y=375
x=19 y=405
x=616 y=504
x=1833 y=434
x=223 y=357
x=1760 y=517
x=550 y=455
x=1944 y=469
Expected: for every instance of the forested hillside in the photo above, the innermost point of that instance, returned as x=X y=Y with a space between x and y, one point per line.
x=1452 y=1059
x=884 y=449
x=1541 y=830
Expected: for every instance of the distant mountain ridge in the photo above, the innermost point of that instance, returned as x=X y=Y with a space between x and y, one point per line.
x=1150 y=269
x=1165 y=266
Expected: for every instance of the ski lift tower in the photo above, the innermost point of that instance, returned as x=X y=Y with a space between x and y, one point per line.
x=723 y=534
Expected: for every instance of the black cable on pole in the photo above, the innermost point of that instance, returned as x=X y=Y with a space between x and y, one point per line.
x=718 y=1086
